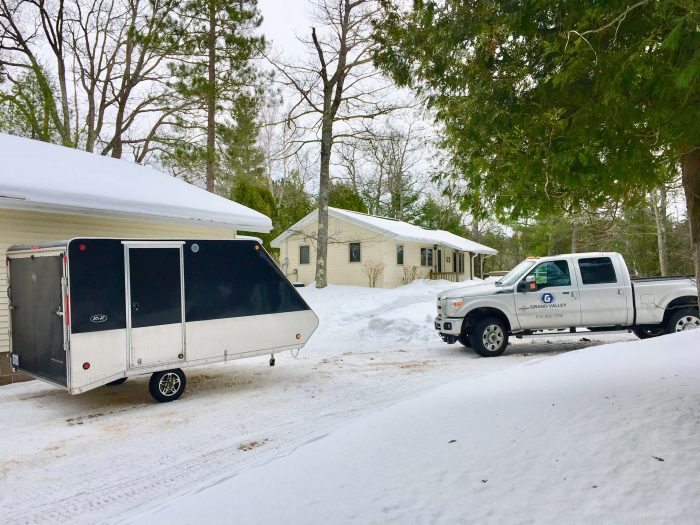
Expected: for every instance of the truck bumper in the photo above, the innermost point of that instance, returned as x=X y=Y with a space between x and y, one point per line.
x=449 y=328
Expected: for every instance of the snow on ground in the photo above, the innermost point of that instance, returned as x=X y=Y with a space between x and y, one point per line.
x=111 y=454
x=606 y=435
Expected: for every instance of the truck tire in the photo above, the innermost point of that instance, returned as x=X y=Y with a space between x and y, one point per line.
x=167 y=385
x=683 y=319
x=464 y=340
x=117 y=382
x=646 y=333
x=489 y=337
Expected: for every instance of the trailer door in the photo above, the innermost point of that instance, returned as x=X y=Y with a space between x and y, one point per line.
x=37 y=316
x=154 y=303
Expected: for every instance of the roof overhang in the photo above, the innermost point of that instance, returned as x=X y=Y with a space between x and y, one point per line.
x=37 y=176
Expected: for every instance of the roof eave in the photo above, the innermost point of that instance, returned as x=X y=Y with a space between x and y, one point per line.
x=24 y=205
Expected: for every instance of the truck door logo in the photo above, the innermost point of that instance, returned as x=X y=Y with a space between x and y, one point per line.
x=98 y=318
x=547 y=298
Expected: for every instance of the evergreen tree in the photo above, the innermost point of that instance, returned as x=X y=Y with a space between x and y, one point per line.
x=550 y=107
x=346 y=197
x=217 y=77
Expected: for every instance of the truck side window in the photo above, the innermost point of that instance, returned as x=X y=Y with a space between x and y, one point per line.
x=551 y=273
x=597 y=270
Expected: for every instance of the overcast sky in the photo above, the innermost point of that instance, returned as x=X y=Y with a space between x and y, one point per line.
x=282 y=19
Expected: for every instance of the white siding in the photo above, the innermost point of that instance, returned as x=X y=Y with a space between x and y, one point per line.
x=375 y=247
x=28 y=227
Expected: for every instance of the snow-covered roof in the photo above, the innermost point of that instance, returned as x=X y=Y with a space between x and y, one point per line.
x=395 y=229
x=46 y=177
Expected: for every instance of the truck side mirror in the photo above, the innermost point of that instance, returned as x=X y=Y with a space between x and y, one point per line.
x=528 y=285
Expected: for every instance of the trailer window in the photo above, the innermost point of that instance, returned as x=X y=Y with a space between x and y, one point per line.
x=233 y=279
x=97 y=285
x=597 y=270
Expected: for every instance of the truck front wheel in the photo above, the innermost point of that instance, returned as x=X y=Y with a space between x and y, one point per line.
x=167 y=385
x=489 y=337
x=683 y=319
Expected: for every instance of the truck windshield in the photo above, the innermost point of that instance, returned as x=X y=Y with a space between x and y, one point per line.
x=515 y=274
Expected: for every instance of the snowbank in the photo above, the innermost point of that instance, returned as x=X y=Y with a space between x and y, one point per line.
x=606 y=434
x=356 y=317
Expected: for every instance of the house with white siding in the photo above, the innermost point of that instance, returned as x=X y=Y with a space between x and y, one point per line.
x=50 y=192
x=365 y=247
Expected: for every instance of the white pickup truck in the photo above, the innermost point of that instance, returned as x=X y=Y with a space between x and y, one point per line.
x=565 y=292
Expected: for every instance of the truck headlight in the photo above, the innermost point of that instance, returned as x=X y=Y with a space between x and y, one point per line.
x=453 y=305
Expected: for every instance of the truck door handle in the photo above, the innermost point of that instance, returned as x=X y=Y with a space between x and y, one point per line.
x=566 y=293
x=620 y=291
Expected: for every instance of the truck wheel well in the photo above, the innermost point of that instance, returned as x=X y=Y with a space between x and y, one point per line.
x=479 y=313
x=679 y=302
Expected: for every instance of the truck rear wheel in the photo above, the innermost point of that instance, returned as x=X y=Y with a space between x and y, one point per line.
x=167 y=385
x=489 y=337
x=683 y=319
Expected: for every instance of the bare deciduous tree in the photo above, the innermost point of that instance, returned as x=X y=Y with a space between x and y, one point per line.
x=337 y=89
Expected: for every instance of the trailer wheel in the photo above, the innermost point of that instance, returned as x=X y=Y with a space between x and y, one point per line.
x=117 y=382
x=683 y=319
x=167 y=385
x=489 y=337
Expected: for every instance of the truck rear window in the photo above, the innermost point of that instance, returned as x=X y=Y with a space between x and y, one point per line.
x=597 y=270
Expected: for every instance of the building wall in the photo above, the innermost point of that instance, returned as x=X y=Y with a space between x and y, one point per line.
x=28 y=227
x=375 y=248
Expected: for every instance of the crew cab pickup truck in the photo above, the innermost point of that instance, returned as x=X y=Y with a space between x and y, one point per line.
x=565 y=292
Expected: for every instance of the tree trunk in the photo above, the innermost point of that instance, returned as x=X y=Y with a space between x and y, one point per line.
x=658 y=204
x=323 y=197
x=690 y=163
x=211 y=100
x=574 y=236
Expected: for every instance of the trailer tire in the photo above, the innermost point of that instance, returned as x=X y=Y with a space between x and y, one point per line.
x=489 y=337
x=683 y=319
x=167 y=385
x=118 y=382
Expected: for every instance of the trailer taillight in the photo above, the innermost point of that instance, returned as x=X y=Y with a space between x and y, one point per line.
x=82 y=247
x=66 y=311
x=298 y=336
x=86 y=365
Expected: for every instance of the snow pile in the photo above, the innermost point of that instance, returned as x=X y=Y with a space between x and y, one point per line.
x=352 y=317
x=602 y=435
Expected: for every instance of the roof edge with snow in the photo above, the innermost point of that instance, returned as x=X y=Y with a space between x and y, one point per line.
x=38 y=176
x=392 y=228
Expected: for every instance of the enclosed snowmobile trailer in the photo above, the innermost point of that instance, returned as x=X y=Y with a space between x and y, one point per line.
x=87 y=312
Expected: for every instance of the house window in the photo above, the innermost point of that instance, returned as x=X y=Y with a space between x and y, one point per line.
x=399 y=254
x=354 y=252
x=459 y=262
x=426 y=256
x=304 y=254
